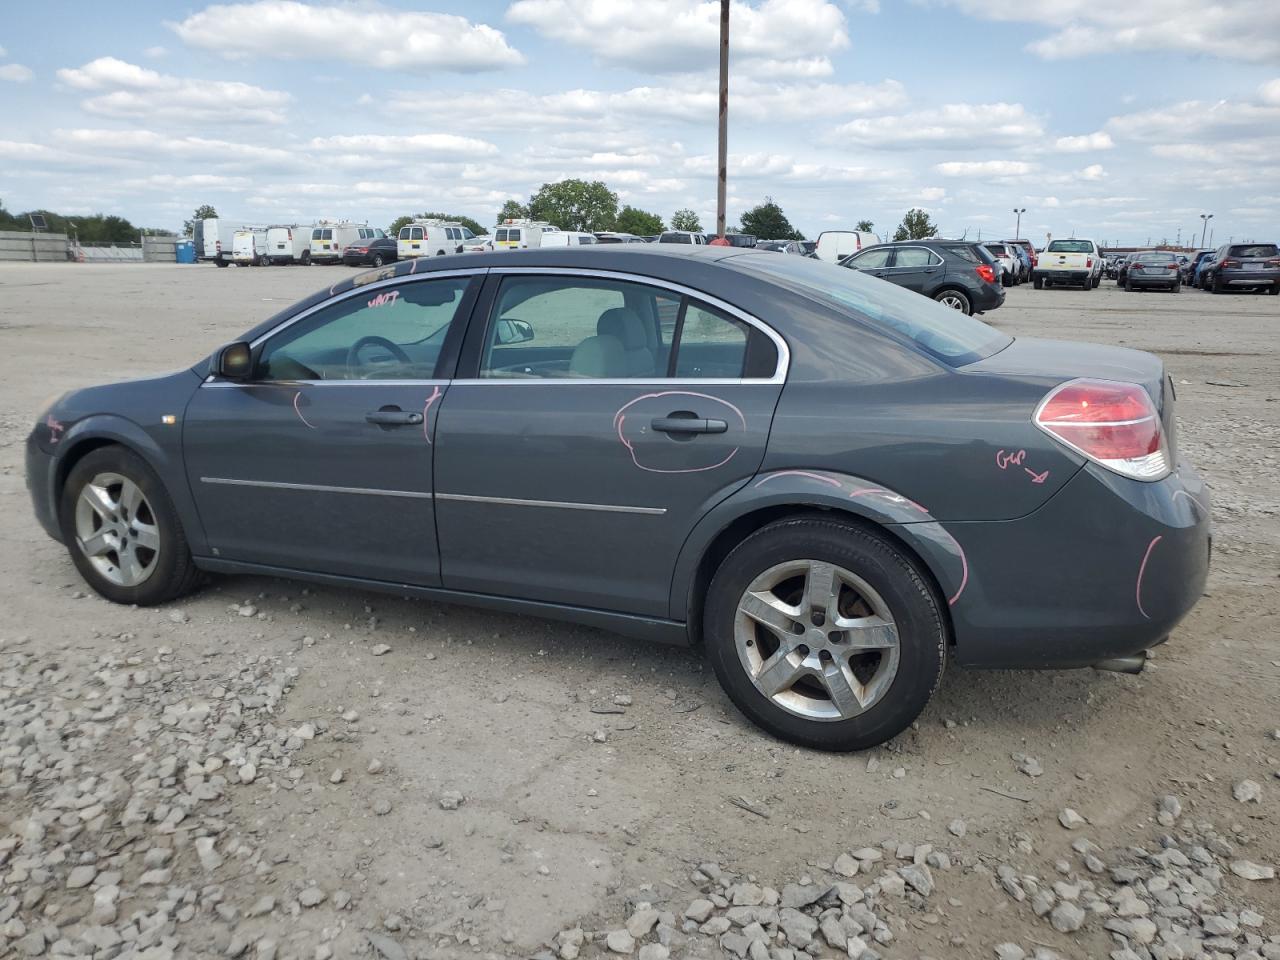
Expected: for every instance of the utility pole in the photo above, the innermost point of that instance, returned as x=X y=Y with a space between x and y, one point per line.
x=1204 y=219
x=1017 y=230
x=722 y=179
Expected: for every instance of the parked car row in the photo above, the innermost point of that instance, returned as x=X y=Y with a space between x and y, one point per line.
x=1249 y=266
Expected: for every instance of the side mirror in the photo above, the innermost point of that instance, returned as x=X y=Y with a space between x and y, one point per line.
x=232 y=362
x=511 y=332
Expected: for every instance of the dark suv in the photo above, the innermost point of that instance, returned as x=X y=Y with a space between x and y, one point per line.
x=956 y=273
x=1240 y=266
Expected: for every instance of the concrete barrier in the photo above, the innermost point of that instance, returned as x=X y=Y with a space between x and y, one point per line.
x=160 y=249
x=109 y=254
x=32 y=246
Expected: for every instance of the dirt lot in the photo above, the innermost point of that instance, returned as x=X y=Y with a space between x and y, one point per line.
x=252 y=774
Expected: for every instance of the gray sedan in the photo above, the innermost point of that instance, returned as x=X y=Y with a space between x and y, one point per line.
x=832 y=484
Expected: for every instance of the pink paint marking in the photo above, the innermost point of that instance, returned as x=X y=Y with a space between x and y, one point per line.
x=1141 y=572
x=1004 y=460
x=426 y=408
x=1037 y=477
x=414 y=266
x=55 y=428
x=620 y=418
x=296 y=397
x=799 y=473
x=382 y=299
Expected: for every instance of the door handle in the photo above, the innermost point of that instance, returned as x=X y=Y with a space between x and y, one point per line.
x=688 y=425
x=393 y=418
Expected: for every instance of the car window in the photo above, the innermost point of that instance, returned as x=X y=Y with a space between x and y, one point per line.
x=404 y=233
x=711 y=345
x=1154 y=258
x=869 y=259
x=315 y=234
x=966 y=253
x=944 y=333
x=1248 y=250
x=1069 y=246
x=389 y=334
x=577 y=328
x=415 y=233
x=467 y=234
x=915 y=257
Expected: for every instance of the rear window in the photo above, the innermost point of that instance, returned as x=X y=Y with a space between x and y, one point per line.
x=947 y=334
x=965 y=253
x=1154 y=258
x=1253 y=250
x=1070 y=246
x=998 y=249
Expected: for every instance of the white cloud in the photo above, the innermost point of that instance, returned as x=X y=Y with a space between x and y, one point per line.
x=684 y=35
x=128 y=90
x=985 y=168
x=15 y=73
x=953 y=125
x=446 y=145
x=364 y=34
x=1092 y=172
x=156 y=52
x=1224 y=119
x=1270 y=92
x=1234 y=30
x=152 y=145
x=1101 y=140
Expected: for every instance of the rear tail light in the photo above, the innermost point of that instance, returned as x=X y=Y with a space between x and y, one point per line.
x=1273 y=264
x=1135 y=266
x=1172 y=266
x=1089 y=262
x=1113 y=424
x=986 y=272
x=1229 y=263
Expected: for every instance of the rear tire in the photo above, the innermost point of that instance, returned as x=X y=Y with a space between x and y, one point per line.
x=221 y=263
x=377 y=260
x=113 y=500
x=1038 y=283
x=306 y=258
x=1097 y=281
x=956 y=300
x=832 y=698
x=1215 y=286
x=1274 y=289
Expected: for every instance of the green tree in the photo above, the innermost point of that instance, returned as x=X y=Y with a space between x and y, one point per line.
x=686 y=219
x=916 y=225
x=865 y=226
x=470 y=224
x=575 y=205
x=766 y=221
x=513 y=210
x=640 y=222
x=203 y=212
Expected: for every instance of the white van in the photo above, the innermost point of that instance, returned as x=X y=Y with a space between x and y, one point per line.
x=683 y=236
x=513 y=234
x=568 y=238
x=289 y=244
x=835 y=245
x=431 y=238
x=328 y=240
x=214 y=238
x=249 y=248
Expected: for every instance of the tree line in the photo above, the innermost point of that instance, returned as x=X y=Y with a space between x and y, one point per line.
x=94 y=228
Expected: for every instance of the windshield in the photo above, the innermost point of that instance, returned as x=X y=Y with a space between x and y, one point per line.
x=1070 y=246
x=947 y=334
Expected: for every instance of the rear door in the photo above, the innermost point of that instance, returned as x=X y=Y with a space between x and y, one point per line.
x=595 y=419
x=322 y=461
x=912 y=267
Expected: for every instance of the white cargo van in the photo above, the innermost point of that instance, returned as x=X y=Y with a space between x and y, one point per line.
x=328 y=239
x=683 y=236
x=249 y=247
x=214 y=238
x=835 y=245
x=431 y=238
x=520 y=234
x=289 y=244
x=568 y=238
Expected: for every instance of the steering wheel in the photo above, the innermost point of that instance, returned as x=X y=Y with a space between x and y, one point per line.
x=354 y=363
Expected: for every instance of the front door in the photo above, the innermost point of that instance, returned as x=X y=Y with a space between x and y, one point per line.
x=600 y=418
x=322 y=460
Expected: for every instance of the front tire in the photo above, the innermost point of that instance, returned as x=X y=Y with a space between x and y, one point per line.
x=122 y=530
x=955 y=300
x=824 y=634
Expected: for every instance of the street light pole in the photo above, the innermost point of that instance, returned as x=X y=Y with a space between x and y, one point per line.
x=1017 y=230
x=1205 y=218
x=724 y=117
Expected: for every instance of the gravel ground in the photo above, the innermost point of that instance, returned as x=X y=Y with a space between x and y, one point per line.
x=275 y=771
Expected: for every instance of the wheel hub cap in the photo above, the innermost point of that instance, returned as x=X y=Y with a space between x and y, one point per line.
x=817 y=640
x=116 y=529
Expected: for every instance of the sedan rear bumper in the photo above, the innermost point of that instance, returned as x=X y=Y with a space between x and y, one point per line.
x=1159 y=282
x=1105 y=569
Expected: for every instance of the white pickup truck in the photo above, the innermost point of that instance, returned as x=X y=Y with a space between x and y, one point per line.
x=1068 y=261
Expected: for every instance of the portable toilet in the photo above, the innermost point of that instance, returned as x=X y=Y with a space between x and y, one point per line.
x=185 y=251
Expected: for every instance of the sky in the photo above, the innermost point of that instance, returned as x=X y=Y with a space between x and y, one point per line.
x=1122 y=122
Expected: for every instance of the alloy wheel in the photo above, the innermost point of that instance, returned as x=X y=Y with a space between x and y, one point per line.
x=817 y=640
x=116 y=529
